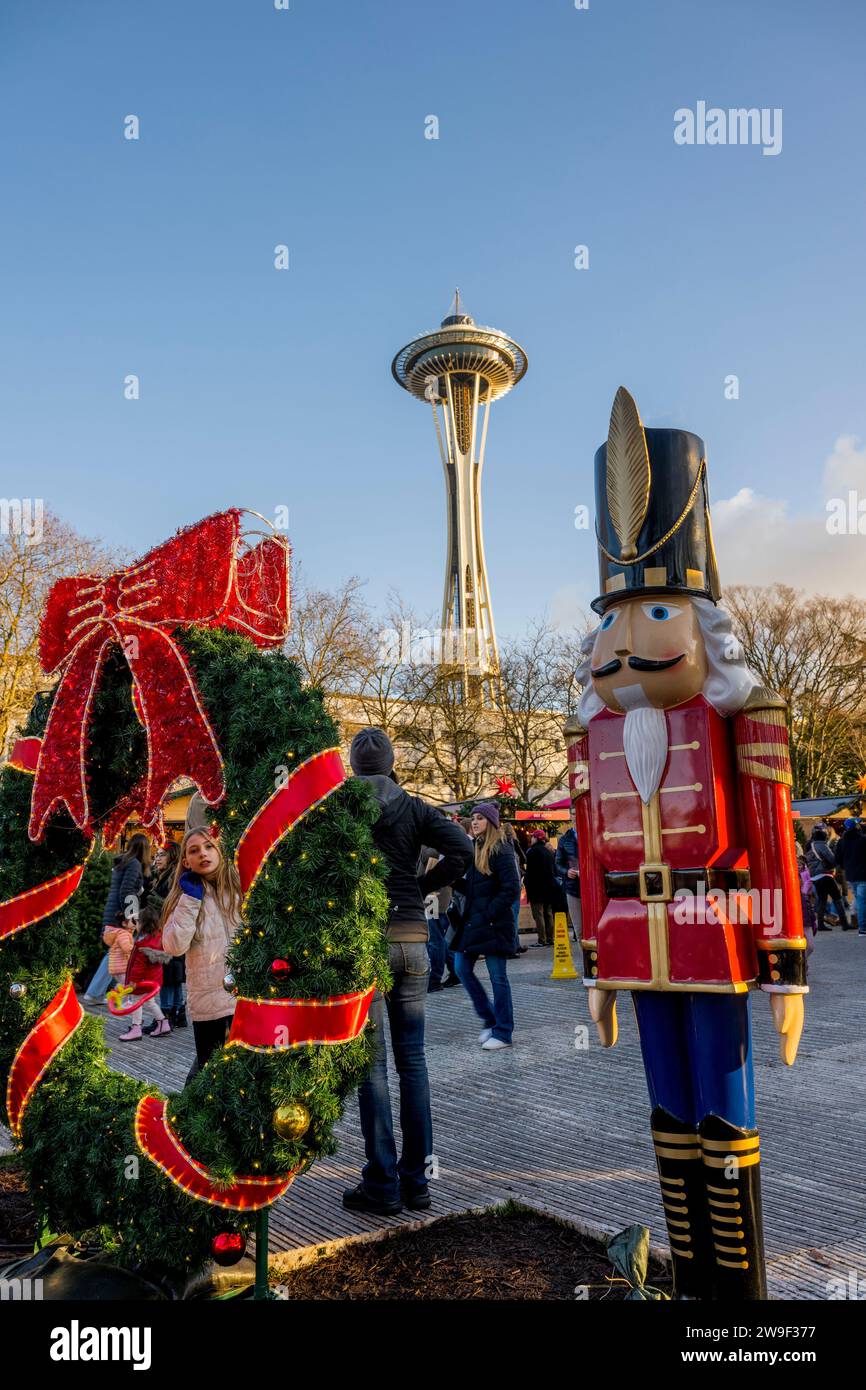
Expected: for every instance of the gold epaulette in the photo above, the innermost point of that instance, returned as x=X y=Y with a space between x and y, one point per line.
x=762 y=698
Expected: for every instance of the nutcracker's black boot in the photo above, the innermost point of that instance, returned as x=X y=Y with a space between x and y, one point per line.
x=732 y=1171
x=681 y=1178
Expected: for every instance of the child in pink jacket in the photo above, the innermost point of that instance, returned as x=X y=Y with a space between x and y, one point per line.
x=134 y=954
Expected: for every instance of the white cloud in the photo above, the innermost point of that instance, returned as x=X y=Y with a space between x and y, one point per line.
x=568 y=607
x=760 y=541
x=846 y=467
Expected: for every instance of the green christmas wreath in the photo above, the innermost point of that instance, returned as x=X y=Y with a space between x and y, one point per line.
x=318 y=905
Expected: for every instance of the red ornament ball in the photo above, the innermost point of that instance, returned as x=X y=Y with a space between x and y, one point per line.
x=280 y=969
x=228 y=1247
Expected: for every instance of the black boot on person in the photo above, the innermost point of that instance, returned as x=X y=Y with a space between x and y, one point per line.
x=358 y=1199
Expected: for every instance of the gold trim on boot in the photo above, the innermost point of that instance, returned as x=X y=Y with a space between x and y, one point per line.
x=732 y=1172
x=681 y=1179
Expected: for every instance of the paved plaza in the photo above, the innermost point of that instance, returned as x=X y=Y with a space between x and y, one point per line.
x=565 y=1129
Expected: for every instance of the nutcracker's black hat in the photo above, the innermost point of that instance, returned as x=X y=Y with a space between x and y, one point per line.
x=652 y=511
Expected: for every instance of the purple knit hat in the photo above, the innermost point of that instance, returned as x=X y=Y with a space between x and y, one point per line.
x=489 y=810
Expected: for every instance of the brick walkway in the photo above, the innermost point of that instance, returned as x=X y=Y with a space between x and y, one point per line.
x=567 y=1131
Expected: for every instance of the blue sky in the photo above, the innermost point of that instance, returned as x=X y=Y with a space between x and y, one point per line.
x=306 y=127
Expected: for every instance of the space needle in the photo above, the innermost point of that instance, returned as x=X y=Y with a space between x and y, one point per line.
x=460 y=368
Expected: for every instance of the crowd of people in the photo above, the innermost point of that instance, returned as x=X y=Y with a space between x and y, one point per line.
x=169 y=920
x=454 y=889
x=829 y=867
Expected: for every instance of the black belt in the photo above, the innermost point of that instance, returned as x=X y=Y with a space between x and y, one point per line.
x=688 y=880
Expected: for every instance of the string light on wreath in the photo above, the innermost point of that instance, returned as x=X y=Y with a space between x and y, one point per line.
x=87 y=621
x=198 y=578
x=35 y=904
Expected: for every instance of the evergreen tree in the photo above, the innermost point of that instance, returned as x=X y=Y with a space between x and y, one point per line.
x=319 y=905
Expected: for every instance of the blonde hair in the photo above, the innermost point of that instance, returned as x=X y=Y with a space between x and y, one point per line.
x=225 y=884
x=487 y=845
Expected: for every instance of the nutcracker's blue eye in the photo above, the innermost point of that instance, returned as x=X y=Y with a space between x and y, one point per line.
x=660 y=612
x=608 y=620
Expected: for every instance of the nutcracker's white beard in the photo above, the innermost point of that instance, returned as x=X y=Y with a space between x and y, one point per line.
x=645 y=741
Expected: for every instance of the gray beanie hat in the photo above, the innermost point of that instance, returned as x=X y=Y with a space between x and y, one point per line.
x=371 y=753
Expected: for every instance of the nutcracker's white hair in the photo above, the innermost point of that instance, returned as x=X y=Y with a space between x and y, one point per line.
x=729 y=681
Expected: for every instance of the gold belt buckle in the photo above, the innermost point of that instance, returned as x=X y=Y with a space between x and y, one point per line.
x=655 y=883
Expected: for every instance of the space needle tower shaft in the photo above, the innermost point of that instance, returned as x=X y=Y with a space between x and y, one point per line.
x=461 y=368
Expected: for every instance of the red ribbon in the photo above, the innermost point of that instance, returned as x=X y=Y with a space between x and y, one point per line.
x=311 y=782
x=276 y=1024
x=199 y=577
x=52 y=1030
x=25 y=754
x=158 y=1142
x=36 y=903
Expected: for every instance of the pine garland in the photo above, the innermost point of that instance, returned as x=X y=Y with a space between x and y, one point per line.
x=320 y=904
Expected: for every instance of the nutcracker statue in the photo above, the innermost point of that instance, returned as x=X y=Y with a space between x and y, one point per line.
x=680 y=780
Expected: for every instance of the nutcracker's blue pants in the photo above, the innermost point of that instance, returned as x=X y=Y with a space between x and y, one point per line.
x=697 y=1052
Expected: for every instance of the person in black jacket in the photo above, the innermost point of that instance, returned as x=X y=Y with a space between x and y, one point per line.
x=541 y=887
x=821 y=863
x=171 y=996
x=568 y=868
x=851 y=859
x=517 y=851
x=491 y=888
x=404 y=825
x=130 y=876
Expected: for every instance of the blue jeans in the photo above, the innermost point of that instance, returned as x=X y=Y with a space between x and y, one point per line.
x=383 y=1175
x=517 y=924
x=101 y=982
x=171 y=996
x=859 y=887
x=436 y=949
x=498 y=1014
x=449 y=954
x=441 y=955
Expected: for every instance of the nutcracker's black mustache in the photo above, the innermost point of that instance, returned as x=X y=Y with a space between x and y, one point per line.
x=637 y=663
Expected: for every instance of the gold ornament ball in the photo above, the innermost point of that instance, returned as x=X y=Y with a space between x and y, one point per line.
x=292 y=1121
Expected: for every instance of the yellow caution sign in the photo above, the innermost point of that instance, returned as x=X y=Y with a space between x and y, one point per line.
x=563 y=964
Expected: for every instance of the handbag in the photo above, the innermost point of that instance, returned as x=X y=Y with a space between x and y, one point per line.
x=455 y=926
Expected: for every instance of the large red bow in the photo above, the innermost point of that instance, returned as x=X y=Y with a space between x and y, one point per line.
x=199 y=577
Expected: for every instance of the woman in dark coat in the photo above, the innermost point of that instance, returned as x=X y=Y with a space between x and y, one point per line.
x=542 y=889
x=171 y=996
x=126 y=893
x=491 y=888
